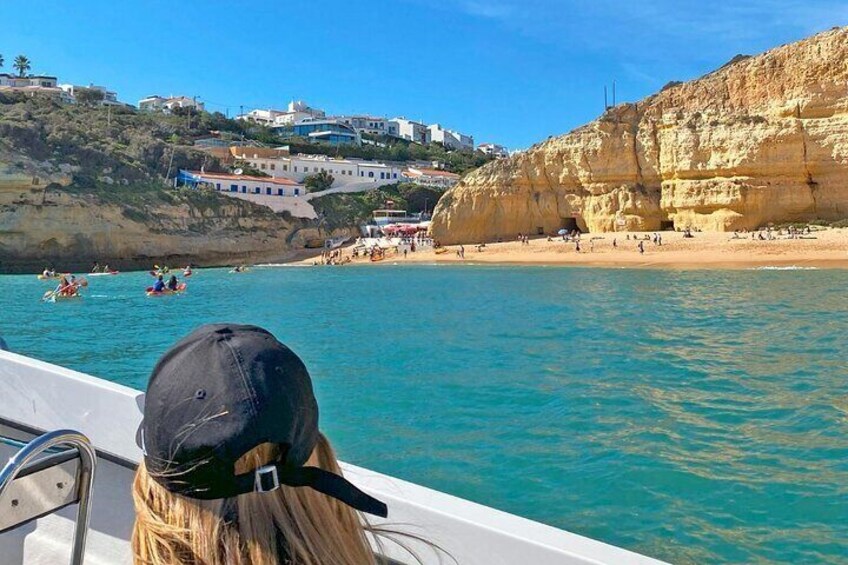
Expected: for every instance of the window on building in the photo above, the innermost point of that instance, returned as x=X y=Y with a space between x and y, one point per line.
x=244 y=190
x=263 y=166
x=273 y=167
x=256 y=190
x=233 y=188
x=382 y=175
x=371 y=174
x=297 y=192
x=286 y=168
x=314 y=169
x=395 y=175
x=361 y=173
x=350 y=172
x=218 y=186
x=280 y=192
x=268 y=191
x=295 y=168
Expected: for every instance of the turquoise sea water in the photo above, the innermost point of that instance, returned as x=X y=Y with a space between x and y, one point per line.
x=695 y=416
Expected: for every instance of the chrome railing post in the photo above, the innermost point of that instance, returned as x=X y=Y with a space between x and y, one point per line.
x=88 y=462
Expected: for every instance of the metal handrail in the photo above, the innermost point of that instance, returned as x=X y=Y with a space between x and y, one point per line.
x=88 y=462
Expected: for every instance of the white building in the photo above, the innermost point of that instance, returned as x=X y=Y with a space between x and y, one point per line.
x=298 y=167
x=159 y=104
x=494 y=150
x=34 y=84
x=297 y=111
x=31 y=81
x=433 y=178
x=266 y=117
x=110 y=97
x=411 y=130
x=449 y=138
x=371 y=125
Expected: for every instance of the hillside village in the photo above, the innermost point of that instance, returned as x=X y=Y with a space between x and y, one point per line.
x=283 y=159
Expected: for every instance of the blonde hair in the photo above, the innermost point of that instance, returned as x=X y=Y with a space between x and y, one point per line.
x=296 y=526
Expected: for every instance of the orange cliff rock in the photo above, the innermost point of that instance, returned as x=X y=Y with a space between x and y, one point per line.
x=763 y=139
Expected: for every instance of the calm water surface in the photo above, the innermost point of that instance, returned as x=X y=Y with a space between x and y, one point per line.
x=696 y=416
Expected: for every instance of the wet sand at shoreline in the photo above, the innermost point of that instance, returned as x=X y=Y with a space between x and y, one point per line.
x=825 y=248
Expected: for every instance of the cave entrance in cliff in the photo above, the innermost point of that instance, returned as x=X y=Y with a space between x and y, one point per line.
x=570 y=224
x=667 y=225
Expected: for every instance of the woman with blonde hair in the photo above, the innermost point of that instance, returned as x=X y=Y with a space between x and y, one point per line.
x=235 y=471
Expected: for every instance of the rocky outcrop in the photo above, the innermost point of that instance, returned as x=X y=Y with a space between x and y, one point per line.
x=763 y=139
x=69 y=229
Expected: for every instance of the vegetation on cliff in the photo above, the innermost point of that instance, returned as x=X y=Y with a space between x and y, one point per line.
x=350 y=209
x=80 y=183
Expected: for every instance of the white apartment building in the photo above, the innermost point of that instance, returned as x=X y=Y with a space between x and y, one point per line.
x=494 y=149
x=298 y=167
x=156 y=103
x=449 y=138
x=433 y=178
x=110 y=97
x=297 y=111
x=371 y=124
x=411 y=130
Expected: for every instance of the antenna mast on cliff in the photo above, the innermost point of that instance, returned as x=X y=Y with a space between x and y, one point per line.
x=605 y=99
x=613 y=93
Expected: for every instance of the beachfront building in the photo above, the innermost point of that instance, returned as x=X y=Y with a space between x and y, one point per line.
x=371 y=125
x=449 y=138
x=411 y=130
x=494 y=150
x=157 y=103
x=297 y=111
x=434 y=178
x=331 y=131
x=345 y=172
x=110 y=97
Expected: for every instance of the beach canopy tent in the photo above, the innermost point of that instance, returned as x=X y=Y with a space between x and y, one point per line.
x=401 y=229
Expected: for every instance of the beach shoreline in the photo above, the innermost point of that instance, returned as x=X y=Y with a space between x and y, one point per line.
x=826 y=248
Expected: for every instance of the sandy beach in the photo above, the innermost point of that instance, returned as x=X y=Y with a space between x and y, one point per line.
x=823 y=248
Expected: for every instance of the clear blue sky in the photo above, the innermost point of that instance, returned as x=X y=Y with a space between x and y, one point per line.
x=509 y=71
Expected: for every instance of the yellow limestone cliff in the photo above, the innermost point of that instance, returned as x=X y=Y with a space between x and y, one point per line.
x=763 y=139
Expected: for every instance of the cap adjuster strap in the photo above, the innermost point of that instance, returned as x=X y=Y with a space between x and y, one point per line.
x=266 y=479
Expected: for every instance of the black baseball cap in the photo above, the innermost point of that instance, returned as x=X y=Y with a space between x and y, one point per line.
x=220 y=392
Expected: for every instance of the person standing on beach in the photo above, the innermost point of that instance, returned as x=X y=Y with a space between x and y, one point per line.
x=614 y=243
x=641 y=247
x=577 y=245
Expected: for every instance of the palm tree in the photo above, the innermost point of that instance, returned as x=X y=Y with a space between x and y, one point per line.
x=22 y=65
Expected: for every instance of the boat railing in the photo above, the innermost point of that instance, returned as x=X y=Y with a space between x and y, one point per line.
x=39 y=480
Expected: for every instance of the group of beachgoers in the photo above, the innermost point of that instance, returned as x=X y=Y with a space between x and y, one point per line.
x=770 y=234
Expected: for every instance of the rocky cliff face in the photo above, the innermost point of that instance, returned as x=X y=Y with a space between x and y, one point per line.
x=79 y=185
x=763 y=139
x=47 y=226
